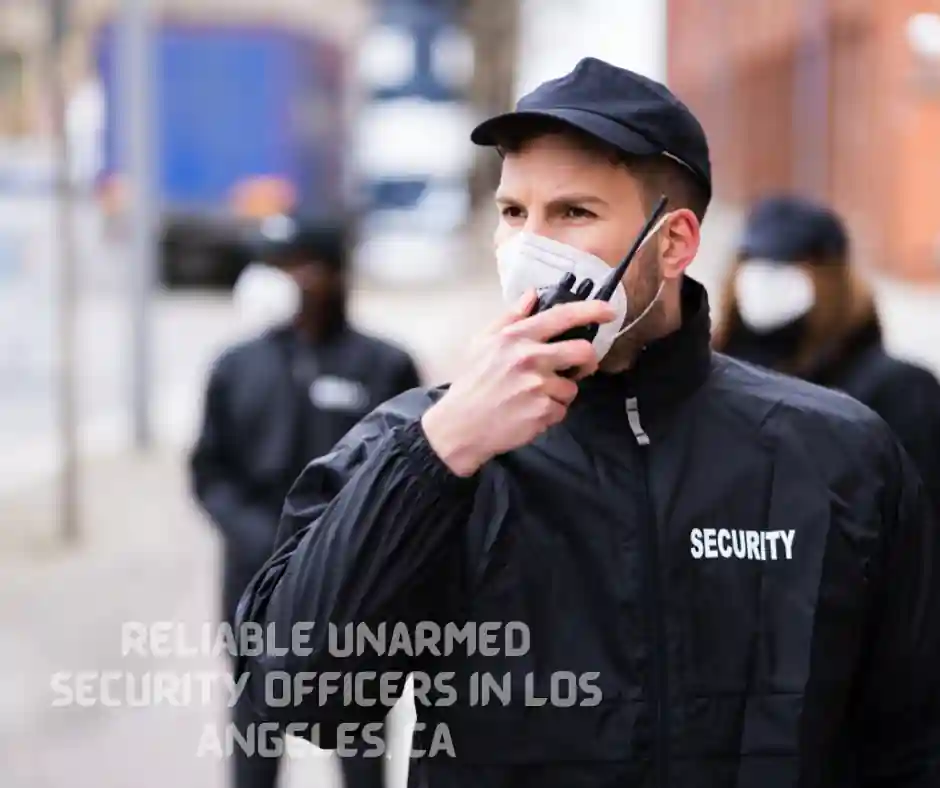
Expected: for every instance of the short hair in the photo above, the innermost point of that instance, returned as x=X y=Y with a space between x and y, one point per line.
x=657 y=174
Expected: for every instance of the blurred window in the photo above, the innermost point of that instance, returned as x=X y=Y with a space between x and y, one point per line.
x=388 y=58
x=393 y=137
x=452 y=58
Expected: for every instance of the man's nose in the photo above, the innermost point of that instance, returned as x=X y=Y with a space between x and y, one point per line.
x=537 y=224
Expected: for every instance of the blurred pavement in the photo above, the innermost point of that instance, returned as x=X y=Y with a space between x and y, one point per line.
x=148 y=556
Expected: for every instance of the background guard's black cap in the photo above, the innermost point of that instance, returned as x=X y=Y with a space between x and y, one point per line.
x=786 y=228
x=624 y=109
x=282 y=238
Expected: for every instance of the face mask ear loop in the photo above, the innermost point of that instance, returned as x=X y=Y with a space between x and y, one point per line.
x=642 y=314
x=656 y=228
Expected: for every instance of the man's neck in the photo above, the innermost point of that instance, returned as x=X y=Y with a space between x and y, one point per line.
x=316 y=329
x=663 y=322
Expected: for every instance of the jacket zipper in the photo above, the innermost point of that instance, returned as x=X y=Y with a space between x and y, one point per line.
x=660 y=688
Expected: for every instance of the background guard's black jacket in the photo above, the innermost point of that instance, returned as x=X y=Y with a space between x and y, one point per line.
x=746 y=563
x=261 y=428
x=905 y=395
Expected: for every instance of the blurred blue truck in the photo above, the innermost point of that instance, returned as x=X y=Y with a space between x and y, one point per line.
x=248 y=122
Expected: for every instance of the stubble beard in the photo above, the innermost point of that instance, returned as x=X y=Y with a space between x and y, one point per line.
x=626 y=348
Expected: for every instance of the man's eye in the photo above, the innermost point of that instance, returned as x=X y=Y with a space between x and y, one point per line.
x=574 y=212
x=511 y=212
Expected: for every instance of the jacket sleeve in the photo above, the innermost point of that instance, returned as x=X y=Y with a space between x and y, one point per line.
x=214 y=478
x=360 y=544
x=899 y=709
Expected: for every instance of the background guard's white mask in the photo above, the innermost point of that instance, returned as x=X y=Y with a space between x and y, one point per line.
x=528 y=261
x=265 y=297
x=770 y=295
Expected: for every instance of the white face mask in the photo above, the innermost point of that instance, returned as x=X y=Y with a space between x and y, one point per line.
x=771 y=295
x=265 y=296
x=526 y=261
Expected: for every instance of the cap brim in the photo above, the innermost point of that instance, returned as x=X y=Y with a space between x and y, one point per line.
x=493 y=131
x=779 y=247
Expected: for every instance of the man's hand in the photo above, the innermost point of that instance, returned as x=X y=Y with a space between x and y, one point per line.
x=510 y=390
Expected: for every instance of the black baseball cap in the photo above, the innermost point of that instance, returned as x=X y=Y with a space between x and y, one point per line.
x=283 y=238
x=787 y=228
x=631 y=112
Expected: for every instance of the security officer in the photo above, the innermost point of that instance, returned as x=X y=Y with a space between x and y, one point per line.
x=279 y=401
x=724 y=577
x=793 y=303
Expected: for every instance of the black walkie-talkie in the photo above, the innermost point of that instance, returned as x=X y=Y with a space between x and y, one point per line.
x=563 y=292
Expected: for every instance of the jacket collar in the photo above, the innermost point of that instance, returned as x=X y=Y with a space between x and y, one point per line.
x=666 y=372
x=290 y=335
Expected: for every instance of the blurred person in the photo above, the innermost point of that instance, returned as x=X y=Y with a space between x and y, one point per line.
x=793 y=303
x=722 y=576
x=277 y=402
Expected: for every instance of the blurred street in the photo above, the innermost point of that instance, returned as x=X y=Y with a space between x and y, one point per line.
x=188 y=332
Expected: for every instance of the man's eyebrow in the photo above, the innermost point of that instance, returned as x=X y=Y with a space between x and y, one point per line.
x=578 y=199
x=562 y=199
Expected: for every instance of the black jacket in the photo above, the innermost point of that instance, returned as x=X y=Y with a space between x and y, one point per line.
x=261 y=427
x=743 y=564
x=906 y=396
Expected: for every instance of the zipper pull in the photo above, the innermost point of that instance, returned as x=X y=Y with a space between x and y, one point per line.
x=633 y=416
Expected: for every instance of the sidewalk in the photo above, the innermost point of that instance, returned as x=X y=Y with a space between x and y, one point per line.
x=145 y=554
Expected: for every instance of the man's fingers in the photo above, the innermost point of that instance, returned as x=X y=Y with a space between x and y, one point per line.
x=586 y=371
x=561 y=390
x=554 y=413
x=552 y=322
x=518 y=311
x=524 y=305
x=559 y=356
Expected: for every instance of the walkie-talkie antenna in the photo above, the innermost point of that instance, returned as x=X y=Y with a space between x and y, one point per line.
x=607 y=288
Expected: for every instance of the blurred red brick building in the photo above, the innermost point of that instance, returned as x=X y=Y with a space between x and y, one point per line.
x=825 y=97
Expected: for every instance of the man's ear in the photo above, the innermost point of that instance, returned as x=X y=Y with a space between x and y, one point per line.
x=679 y=241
